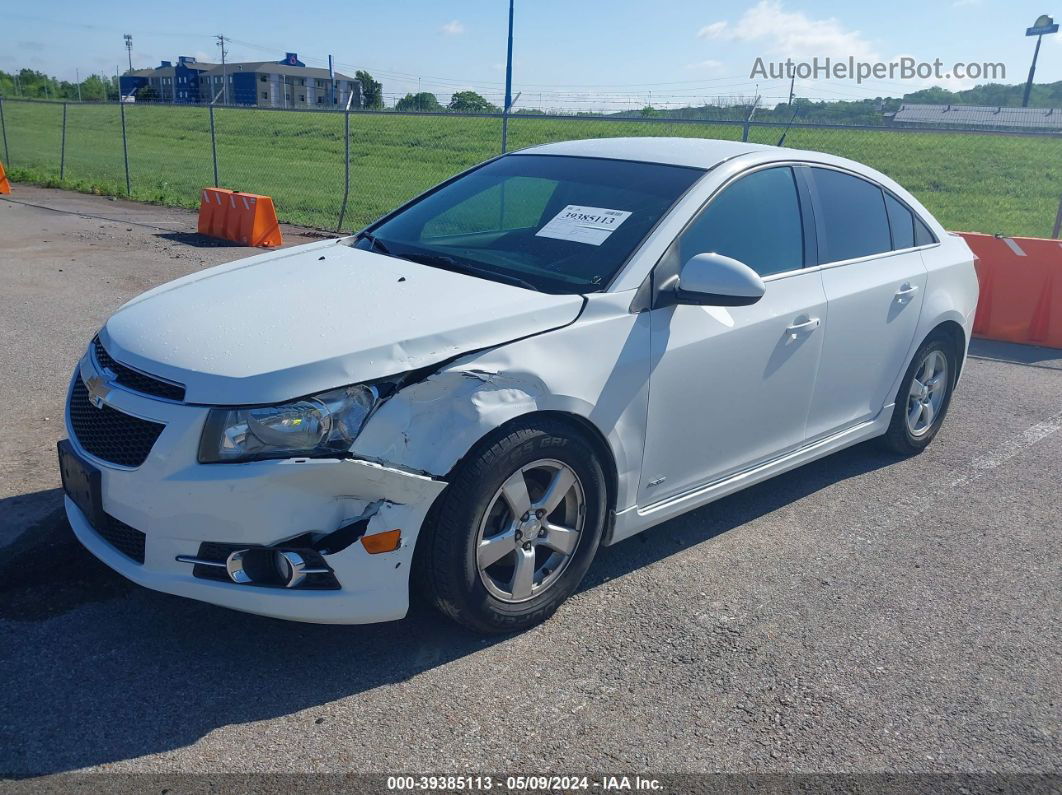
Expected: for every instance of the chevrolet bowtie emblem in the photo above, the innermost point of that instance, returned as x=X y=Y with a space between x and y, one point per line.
x=98 y=388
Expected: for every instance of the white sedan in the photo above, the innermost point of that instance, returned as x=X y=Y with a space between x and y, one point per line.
x=552 y=351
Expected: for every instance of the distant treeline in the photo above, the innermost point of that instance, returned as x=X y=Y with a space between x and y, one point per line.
x=31 y=84
x=872 y=111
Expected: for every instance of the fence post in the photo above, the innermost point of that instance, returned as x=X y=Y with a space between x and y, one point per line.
x=748 y=120
x=346 y=168
x=214 y=146
x=62 y=148
x=125 y=147
x=1058 y=221
x=3 y=127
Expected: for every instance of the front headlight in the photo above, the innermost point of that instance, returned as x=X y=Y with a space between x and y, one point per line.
x=321 y=424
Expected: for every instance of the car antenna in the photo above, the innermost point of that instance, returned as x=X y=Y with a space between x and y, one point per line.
x=787 y=126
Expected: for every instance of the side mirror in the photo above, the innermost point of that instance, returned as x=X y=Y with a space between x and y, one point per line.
x=715 y=280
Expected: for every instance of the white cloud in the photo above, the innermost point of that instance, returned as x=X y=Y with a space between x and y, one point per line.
x=453 y=28
x=709 y=65
x=713 y=31
x=793 y=33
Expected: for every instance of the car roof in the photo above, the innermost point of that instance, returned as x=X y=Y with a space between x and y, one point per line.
x=695 y=152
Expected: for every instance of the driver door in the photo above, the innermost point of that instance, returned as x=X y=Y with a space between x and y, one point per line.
x=731 y=387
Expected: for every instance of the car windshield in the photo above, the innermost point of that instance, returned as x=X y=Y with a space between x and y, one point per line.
x=544 y=222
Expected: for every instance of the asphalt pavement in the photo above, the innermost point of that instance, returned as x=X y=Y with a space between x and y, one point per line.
x=862 y=614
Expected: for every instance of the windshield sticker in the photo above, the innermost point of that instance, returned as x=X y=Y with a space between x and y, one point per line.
x=590 y=225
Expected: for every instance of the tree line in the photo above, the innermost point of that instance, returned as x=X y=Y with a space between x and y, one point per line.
x=32 y=84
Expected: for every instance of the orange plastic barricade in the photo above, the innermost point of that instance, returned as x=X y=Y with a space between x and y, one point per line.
x=213 y=204
x=240 y=217
x=5 y=185
x=253 y=221
x=1021 y=289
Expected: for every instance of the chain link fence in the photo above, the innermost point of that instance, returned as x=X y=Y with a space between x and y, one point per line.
x=340 y=170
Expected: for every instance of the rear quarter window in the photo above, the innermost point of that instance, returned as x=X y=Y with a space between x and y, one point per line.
x=923 y=235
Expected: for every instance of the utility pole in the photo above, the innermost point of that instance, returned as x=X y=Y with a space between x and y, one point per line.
x=1043 y=26
x=792 y=83
x=129 y=48
x=224 y=76
x=77 y=72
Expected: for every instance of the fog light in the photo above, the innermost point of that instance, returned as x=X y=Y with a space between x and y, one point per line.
x=387 y=541
x=291 y=566
x=285 y=568
x=234 y=565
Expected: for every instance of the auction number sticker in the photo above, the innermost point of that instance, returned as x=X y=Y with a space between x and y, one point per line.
x=591 y=225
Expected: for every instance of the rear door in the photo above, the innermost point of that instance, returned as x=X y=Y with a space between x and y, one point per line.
x=874 y=281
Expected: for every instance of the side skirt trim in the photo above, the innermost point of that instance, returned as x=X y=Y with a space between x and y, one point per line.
x=636 y=519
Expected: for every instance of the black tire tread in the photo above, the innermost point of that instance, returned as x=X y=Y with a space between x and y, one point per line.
x=435 y=572
x=896 y=438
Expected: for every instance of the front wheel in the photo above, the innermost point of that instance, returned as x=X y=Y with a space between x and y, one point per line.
x=924 y=397
x=516 y=529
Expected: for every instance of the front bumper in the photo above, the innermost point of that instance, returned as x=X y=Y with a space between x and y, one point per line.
x=178 y=504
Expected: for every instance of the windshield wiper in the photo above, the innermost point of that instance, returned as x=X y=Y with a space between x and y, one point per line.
x=451 y=264
x=375 y=243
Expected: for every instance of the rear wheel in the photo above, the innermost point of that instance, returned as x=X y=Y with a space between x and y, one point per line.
x=516 y=529
x=924 y=397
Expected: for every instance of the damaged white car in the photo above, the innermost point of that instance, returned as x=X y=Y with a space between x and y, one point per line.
x=553 y=351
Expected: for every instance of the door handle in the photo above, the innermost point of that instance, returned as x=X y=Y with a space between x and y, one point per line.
x=906 y=291
x=796 y=329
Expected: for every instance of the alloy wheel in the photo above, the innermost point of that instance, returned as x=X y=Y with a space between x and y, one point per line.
x=530 y=530
x=928 y=390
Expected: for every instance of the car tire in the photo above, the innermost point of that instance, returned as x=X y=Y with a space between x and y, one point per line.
x=474 y=521
x=920 y=409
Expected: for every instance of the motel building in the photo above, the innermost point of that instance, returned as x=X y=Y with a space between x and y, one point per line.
x=287 y=83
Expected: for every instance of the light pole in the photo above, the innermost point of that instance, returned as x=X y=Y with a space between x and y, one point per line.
x=508 y=83
x=1043 y=26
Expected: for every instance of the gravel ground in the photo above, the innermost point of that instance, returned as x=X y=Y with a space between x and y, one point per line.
x=860 y=614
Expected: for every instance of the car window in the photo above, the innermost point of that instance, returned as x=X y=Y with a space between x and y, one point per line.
x=555 y=223
x=755 y=220
x=853 y=216
x=901 y=221
x=923 y=237
x=516 y=203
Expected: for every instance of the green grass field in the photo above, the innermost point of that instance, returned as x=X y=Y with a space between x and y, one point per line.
x=984 y=183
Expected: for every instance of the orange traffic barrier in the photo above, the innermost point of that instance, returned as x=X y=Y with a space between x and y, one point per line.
x=213 y=203
x=240 y=217
x=5 y=185
x=1021 y=289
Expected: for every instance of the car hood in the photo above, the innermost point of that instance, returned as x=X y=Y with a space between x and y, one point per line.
x=290 y=323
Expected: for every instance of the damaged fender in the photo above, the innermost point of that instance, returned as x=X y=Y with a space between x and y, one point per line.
x=596 y=369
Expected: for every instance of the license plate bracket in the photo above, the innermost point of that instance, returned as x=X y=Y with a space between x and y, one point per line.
x=81 y=482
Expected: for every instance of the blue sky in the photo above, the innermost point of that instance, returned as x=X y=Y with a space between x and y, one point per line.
x=567 y=54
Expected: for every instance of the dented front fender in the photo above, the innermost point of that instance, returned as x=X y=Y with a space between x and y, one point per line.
x=596 y=369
